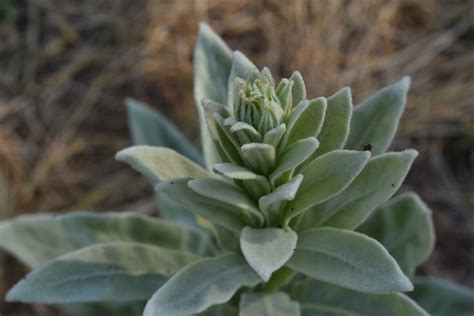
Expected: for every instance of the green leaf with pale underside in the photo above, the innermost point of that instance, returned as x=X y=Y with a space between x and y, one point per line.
x=160 y=163
x=117 y=272
x=149 y=127
x=212 y=64
x=37 y=239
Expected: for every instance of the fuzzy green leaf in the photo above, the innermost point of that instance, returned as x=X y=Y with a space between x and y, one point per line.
x=335 y=129
x=242 y=68
x=273 y=203
x=212 y=64
x=325 y=177
x=149 y=127
x=310 y=121
x=318 y=298
x=256 y=184
x=227 y=193
x=274 y=304
x=405 y=227
x=298 y=91
x=225 y=214
x=296 y=154
x=160 y=163
x=261 y=157
x=375 y=120
x=37 y=239
x=267 y=249
x=274 y=136
x=348 y=259
x=200 y=285
x=375 y=184
x=443 y=298
x=117 y=272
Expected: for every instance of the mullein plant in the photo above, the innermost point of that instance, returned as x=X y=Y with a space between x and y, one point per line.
x=286 y=213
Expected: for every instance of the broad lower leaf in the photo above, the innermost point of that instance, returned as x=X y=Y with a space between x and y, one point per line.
x=325 y=177
x=200 y=285
x=443 y=298
x=375 y=120
x=37 y=239
x=149 y=127
x=273 y=304
x=318 y=298
x=348 y=259
x=267 y=249
x=405 y=227
x=375 y=184
x=335 y=129
x=111 y=272
x=160 y=163
x=212 y=64
x=225 y=214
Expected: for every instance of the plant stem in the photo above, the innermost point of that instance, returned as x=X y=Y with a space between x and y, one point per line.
x=278 y=279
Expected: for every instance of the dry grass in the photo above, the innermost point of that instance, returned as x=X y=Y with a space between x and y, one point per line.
x=67 y=65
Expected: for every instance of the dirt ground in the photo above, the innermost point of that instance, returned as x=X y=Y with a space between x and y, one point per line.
x=65 y=67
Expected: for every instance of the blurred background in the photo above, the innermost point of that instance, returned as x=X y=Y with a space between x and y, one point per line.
x=66 y=66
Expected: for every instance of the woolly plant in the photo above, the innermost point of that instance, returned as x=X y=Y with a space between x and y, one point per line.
x=288 y=212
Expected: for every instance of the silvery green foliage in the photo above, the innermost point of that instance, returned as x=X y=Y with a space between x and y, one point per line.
x=289 y=215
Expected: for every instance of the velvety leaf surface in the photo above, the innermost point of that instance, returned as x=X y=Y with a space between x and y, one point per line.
x=212 y=64
x=335 y=129
x=227 y=193
x=294 y=156
x=309 y=123
x=375 y=120
x=325 y=177
x=443 y=298
x=298 y=91
x=267 y=249
x=149 y=127
x=227 y=215
x=200 y=285
x=37 y=239
x=375 y=184
x=348 y=259
x=322 y=299
x=261 y=157
x=118 y=272
x=160 y=164
x=273 y=304
x=273 y=203
x=242 y=68
x=405 y=227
